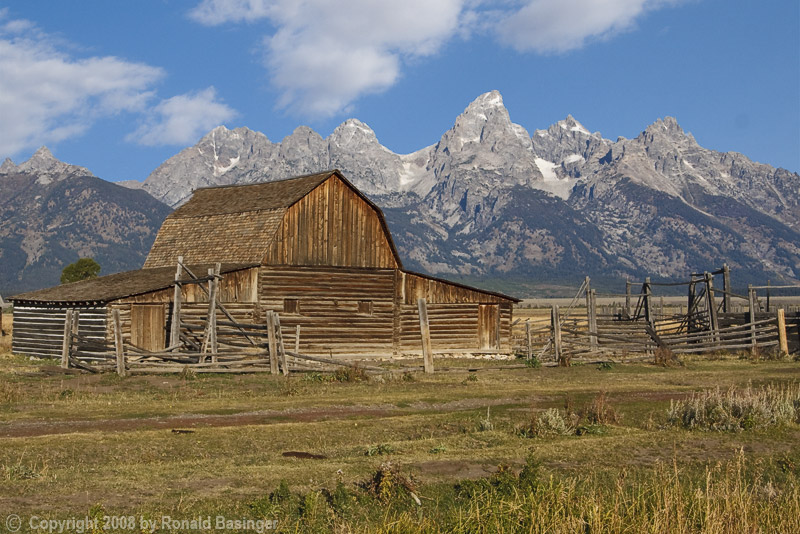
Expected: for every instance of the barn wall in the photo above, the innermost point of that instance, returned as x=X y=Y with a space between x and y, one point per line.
x=39 y=330
x=453 y=314
x=237 y=292
x=331 y=226
x=328 y=301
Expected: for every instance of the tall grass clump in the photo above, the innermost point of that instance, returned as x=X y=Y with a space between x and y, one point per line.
x=738 y=409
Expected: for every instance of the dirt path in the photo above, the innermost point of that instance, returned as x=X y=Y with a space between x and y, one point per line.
x=18 y=429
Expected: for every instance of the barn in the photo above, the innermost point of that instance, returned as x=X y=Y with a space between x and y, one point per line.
x=313 y=249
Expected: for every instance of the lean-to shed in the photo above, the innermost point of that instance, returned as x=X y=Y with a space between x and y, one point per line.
x=313 y=248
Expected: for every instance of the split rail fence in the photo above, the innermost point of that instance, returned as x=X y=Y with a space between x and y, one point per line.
x=639 y=326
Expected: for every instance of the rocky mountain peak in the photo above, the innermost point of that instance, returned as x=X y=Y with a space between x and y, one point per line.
x=7 y=166
x=44 y=164
x=353 y=133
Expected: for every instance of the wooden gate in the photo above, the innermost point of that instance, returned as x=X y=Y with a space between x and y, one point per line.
x=148 y=326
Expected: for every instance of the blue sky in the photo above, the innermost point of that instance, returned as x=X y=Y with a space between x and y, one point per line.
x=119 y=87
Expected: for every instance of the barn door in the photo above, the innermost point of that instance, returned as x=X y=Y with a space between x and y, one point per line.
x=488 y=326
x=148 y=326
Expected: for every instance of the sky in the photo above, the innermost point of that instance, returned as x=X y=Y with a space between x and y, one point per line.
x=119 y=87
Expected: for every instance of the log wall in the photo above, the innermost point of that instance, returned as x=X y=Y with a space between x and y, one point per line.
x=327 y=301
x=39 y=330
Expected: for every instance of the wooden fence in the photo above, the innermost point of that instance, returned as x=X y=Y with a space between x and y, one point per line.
x=637 y=326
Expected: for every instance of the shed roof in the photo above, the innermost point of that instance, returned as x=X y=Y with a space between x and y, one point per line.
x=117 y=286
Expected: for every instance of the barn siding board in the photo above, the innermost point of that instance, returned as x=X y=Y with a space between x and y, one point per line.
x=317 y=232
x=39 y=330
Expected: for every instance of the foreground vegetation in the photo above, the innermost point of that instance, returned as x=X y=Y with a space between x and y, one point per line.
x=709 y=446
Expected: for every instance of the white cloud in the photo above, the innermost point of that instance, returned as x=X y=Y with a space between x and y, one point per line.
x=547 y=26
x=323 y=55
x=47 y=96
x=182 y=119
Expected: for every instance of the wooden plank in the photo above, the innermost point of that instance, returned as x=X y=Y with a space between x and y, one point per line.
x=120 y=354
x=425 y=332
x=783 y=341
x=555 y=323
x=273 y=347
x=279 y=343
x=176 y=305
x=67 y=342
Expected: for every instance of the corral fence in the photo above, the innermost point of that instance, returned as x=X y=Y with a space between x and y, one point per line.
x=207 y=344
x=639 y=326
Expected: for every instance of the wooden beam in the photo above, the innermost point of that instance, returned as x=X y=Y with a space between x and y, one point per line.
x=273 y=347
x=628 y=298
x=279 y=343
x=783 y=342
x=726 y=288
x=556 y=326
x=528 y=338
x=712 y=305
x=67 y=343
x=425 y=331
x=118 y=347
x=175 y=330
x=751 y=295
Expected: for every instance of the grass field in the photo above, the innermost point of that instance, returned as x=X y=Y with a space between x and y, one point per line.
x=589 y=448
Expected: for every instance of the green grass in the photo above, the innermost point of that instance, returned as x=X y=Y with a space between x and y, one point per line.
x=88 y=442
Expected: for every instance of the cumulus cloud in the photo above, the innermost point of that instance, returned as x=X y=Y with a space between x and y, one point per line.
x=322 y=55
x=547 y=26
x=182 y=119
x=47 y=96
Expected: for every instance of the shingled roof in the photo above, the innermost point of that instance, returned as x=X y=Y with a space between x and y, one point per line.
x=235 y=223
x=116 y=286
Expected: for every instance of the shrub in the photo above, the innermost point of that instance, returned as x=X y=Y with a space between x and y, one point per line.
x=549 y=423
x=350 y=374
x=379 y=450
x=737 y=409
x=600 y=411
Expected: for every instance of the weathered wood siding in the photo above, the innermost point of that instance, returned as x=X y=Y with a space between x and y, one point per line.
x=237 y=292
x=332 y=226
x=461 y=319
x=328 y=301
x=39 y=330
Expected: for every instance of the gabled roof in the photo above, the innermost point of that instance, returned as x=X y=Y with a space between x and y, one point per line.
x=117 y=286
x=238 y=223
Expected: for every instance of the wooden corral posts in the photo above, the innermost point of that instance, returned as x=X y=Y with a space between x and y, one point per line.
x=751 y=295
x=66 y=346
x=648 y=304
x=273 y=346
x=768 y=286
x=528 y=338
x=175 y=330
x=628 y=298
x=555 y=323
x=690 y=321
x=279 y=345
x=210 y=337
x=712 y=306
x=297 y=340
x=591 y=315
x=726 y=288
x=118 y=348
x=783 y=342
x=425 y=331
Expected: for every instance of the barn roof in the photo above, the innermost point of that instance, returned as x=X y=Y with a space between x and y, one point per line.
x=237 y=223
x=117 y=286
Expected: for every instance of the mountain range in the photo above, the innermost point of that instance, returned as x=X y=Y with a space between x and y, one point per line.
x=492 y=204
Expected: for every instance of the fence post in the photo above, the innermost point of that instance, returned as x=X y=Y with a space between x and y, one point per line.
x=297 y=340
x=556 y=325
x=528 y=338
x=751 y=295
x=768 y=284
x=425 y=331
x=273 y=348
x=648 y=303
x=175 y=330
x=593 y=323
x=591 y=315
x=628 y=298
x=118 y=348
x=783 y=342
x=726 y=287
x=691 y=325
x=66 y=346
x=279 y=343
x=712 y=306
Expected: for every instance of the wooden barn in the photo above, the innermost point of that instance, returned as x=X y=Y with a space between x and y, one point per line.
x=313 y=249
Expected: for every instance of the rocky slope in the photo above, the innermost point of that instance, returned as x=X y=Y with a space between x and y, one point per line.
x=489 y=200
x=53 y=213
